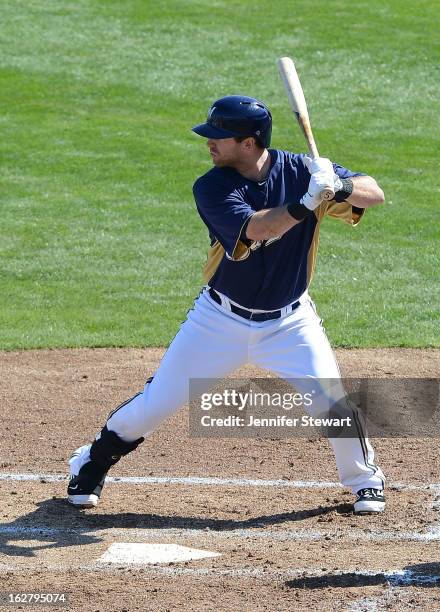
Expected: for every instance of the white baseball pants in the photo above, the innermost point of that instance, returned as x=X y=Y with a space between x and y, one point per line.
x=213 y=342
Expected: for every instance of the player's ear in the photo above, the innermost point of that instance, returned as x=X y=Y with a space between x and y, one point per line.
x=249 y=143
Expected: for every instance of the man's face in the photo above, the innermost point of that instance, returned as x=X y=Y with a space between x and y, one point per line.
x=225 y=151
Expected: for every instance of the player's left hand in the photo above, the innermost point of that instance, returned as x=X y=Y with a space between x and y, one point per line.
x=318 y=182
x=322 y=169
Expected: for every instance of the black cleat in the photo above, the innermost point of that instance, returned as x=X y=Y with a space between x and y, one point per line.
x=89 y=465
x=369 y=501
x=86 y=479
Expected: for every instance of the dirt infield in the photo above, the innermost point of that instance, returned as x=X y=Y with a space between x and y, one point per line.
x=285 y=531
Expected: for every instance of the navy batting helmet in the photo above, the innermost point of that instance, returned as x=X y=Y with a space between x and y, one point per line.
x=234 y=116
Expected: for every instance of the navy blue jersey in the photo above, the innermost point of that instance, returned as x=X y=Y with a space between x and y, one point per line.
x=268 y=274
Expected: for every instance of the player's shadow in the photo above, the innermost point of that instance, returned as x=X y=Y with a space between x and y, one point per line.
x=49 y=526
x=55 y=524
x=159 y=521
x=419 y=575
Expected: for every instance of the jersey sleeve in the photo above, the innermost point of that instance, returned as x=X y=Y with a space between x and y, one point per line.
x=344 y=211
x=225 y=214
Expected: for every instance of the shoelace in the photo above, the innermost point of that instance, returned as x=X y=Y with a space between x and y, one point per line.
x=369 y=493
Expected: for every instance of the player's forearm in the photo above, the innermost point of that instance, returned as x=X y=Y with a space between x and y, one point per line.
x=266 y=224
x=366 y=192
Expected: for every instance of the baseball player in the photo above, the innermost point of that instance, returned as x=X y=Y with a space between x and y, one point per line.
x=263 y=210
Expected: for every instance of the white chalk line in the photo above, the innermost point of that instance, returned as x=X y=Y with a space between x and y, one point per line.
x=179 y=480
x=282 y=535
x=392 y=578
x=366 y=604
x=211 y=481
x=387 y=600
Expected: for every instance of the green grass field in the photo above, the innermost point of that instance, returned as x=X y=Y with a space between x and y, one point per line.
x=100 y=241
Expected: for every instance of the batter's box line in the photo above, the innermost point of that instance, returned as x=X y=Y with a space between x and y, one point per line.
x=170 y=533
x=299 y=578
x=211 y=481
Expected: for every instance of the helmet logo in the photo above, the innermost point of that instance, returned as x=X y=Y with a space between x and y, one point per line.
x=211 y=110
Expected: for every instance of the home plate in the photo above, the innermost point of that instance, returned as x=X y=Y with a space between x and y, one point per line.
x=143 y=554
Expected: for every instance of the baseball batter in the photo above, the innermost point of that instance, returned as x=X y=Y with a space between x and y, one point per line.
x=263 y=210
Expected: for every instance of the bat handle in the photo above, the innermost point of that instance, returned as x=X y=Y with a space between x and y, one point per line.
x=313 y=149
x=327 y=194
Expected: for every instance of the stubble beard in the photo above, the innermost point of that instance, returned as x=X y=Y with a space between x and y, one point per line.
x=223 y=162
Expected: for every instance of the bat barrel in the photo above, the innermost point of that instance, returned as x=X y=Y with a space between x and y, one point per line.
x=297 y=101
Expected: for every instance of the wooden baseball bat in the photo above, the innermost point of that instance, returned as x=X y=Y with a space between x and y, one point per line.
x=298 y=103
